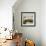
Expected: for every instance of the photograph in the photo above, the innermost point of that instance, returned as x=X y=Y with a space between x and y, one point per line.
x=28 y=19
x=22 y=22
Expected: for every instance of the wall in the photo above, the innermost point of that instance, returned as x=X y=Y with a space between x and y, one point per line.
x=6 y=13
x=43 y=22
x=32 y=33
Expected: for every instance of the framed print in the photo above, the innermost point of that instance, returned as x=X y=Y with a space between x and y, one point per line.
x=28 y=19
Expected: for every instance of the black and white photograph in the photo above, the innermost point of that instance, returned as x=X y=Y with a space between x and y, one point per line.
x=28 y=18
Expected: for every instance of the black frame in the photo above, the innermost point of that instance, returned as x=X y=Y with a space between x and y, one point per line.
x=34 y=19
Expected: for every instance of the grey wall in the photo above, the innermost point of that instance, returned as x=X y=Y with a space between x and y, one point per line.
x=43 y=22
x=32 y=33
